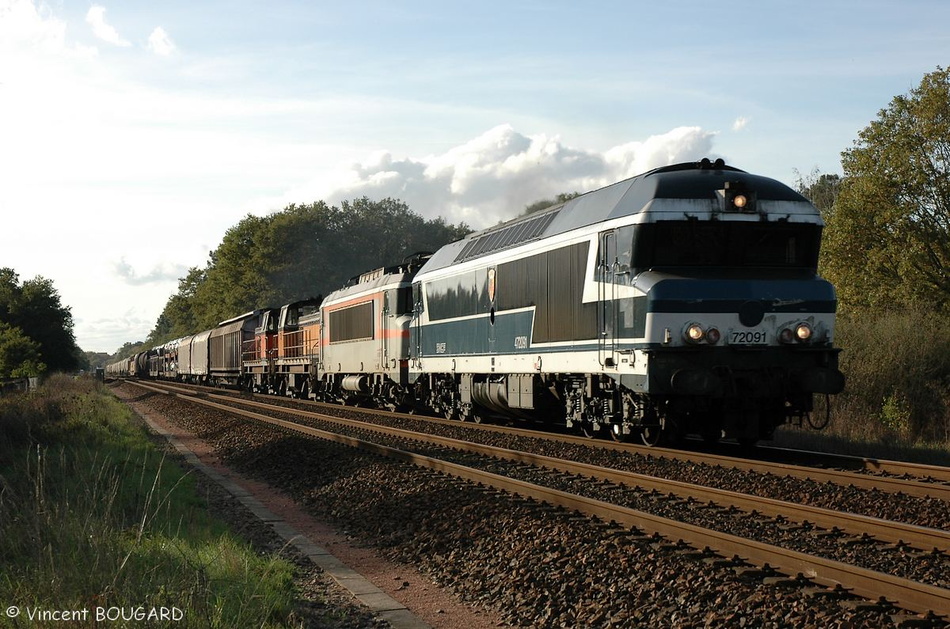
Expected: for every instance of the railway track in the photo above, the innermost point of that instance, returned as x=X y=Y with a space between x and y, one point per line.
x=603 y=493
x=897 y=477
x=937 y=474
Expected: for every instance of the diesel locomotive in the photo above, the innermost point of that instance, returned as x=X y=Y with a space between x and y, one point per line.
x=683 y=300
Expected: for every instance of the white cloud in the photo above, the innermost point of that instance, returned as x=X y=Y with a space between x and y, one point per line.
x=21 y=23
x=96 y=17
x=494 y=176
x=160 y=43
x=740 y=123
x=682 y=144
x=166 y=272
x=109 y=333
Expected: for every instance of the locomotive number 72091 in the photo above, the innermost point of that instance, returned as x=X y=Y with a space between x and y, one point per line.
x=747 y=337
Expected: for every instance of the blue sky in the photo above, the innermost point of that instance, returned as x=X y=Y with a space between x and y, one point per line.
x=133 y=134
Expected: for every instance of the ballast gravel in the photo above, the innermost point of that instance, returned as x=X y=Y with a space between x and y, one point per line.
x=537 y=566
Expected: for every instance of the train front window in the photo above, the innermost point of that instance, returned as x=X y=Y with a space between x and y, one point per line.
x=726 y=244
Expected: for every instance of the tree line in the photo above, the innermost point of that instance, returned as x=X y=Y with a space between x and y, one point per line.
x=36 y=329
x=300 y=252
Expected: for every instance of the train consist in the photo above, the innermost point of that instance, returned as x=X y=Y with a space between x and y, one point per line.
x=684 y=300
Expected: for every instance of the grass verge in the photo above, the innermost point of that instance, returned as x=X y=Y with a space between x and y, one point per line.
x=97 y=524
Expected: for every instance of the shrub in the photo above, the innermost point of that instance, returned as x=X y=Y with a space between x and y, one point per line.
x=897 y=367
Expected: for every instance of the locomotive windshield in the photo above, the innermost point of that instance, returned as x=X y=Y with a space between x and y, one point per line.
x=692 y=243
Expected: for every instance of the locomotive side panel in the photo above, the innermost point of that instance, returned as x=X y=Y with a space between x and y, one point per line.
x=298 y=348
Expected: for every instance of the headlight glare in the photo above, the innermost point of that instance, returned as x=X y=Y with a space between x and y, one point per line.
x=694 y=333
x=803 y=332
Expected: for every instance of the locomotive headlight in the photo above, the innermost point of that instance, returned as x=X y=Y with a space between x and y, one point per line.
x=712 y=336
x=694 y=333
x=801 y=333
x=736 y=196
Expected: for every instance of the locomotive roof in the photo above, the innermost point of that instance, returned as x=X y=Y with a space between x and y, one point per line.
x=383 y=276
x=372 y=281
x=674 y=192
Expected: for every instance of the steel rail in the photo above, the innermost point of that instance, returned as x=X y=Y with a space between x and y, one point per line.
x=936 y=473
x=883 y=530
x=917 y=489
x=910 y=487
x=904 y=593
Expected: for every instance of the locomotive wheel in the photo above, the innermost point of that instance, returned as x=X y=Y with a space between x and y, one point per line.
x=587 y=429
x=617 y=434
x=480 y=415
x=651 y=435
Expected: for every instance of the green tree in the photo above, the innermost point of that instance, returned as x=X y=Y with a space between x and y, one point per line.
x=34 y=308
x=299 y=252
x=303 y=247
x=179 y=318
x=19 y=355
x=543 y=204
x=44 y=319
x=130 y=349
x=821 y=189
x=236 y=278
x=887 y=243
x=92 y=360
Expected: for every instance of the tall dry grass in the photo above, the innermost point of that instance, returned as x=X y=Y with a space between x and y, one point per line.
x=897 y=399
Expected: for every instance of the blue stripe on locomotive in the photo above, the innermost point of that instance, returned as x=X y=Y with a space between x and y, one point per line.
x=696 y=295
x=477 y=335
x=512 y=333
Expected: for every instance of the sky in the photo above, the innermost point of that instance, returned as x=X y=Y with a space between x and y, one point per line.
x=134 y=133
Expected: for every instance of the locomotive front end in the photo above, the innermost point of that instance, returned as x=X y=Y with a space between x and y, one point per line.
x=739 y=327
